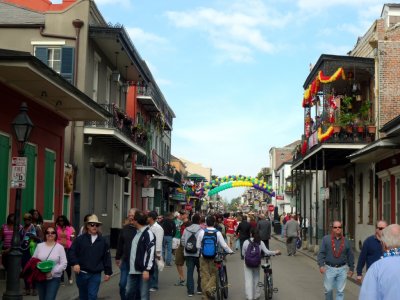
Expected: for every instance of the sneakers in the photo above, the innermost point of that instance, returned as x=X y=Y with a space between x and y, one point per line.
x=190 y=295
x=70 y=281
x=181 y=282
x=153 y=290
x=199 y=292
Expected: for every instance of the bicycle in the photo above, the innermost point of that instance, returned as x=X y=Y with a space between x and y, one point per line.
x=268 y=283
x=221 y=287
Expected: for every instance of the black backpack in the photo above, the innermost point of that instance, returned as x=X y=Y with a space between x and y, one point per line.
x=190 y=245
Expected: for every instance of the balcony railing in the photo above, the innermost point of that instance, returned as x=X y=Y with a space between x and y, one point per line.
x=149 y=91
x=120 y=122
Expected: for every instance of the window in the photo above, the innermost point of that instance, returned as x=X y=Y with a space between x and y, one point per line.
x=28 y=195
x=361 y=198
x=96 y=64
x=60 y=59
x=108 y=85
x=371 y=198
x=386 y=200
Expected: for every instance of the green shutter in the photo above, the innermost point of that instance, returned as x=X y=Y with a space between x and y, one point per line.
x=28 y=194
x=42 y=54
x=66 y=206
x=49 y=183
x=67 y=63
x=4 y=169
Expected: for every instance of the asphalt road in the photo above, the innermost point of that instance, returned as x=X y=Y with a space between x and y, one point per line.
x=297 y=278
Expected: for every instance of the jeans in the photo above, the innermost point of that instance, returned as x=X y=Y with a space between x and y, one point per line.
x=191 y=263
x=335 y=278
x=123 y=279
x=137 y=288
x=88 y=285
x=48 y=289
x=154 y=277
x=167 y=249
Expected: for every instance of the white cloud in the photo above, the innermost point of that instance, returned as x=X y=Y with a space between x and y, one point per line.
x=139 y=36
x=239 y=30
x=314 y=6
x=124 y=3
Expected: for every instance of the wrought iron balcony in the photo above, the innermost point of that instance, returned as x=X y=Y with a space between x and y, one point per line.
x=120 y=124
x=153 y=102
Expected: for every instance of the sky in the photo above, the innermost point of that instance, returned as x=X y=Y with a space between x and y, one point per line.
x=233 y=71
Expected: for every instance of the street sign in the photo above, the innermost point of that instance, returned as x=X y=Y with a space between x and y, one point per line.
x=18 y=172
x=148 y=192
x=271 y=207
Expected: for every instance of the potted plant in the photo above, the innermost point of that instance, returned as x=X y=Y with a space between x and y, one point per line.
x=346 y=120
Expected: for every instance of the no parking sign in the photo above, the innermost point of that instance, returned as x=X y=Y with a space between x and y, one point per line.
x=18 y=172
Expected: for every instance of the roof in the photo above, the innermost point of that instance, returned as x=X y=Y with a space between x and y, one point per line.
x=374 y=151
x=392 y=126
x=28 y=75
x=14 y=15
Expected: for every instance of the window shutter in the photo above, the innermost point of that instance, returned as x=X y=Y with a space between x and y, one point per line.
x=49 y=184
x=42 y=54
x=67 y=63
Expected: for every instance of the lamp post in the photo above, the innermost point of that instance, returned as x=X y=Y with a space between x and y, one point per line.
x=22 y=127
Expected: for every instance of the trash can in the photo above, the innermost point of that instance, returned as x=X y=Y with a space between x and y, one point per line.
x=277 y=227
x=114 y=235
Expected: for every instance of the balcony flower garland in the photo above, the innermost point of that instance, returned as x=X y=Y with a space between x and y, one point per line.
x=326 y=135
x=304 y=148
x=313 y=88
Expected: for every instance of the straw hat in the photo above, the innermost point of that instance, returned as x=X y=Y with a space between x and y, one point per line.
x=93 y=219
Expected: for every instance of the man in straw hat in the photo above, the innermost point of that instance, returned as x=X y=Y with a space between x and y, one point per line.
x=89 y=256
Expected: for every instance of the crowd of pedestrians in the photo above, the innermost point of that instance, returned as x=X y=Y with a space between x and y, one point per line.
x=149 y=242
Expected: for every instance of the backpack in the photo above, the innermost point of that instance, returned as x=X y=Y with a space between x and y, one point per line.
x=209 y=244
x=252 y=257
x=190 y=245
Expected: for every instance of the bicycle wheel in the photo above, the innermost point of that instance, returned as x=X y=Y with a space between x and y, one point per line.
x=266 y=286
x=224 y=282
x=270 y=287
x=218 y=289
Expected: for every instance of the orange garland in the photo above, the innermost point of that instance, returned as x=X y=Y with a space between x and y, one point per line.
x=324 y=136
x=313 y=88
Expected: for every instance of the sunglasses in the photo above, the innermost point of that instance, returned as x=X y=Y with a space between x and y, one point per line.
x=94 y=225
x=380 y=228
x=337 y=227
x=50 y=232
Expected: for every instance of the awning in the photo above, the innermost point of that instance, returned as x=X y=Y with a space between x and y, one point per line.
x=375 y=151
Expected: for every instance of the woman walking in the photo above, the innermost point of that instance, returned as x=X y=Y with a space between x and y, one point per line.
x=65 y=236
x=37 y=221
x=50 y=250
x=6 y=233
x=252 y=273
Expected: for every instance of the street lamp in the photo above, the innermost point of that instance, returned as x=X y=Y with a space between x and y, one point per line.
x=22 y=126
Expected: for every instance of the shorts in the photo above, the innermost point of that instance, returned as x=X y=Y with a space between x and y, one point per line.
x=179 y=257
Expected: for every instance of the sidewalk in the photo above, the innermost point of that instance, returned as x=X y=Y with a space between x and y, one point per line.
x=312 y=255
x=67 y=292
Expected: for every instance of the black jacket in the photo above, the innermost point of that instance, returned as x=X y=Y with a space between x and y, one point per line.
x=92 y=258
x=243 y=230
x=125 y=238
x=146 y=251
x=169 y=227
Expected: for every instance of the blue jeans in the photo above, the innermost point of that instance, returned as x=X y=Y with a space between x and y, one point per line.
x=154 y=277
x=137 y=288
x=191 y=262
x=88 y=285
x=167 y=249
x=123 y=279
x=47 y=289
x=335 y=278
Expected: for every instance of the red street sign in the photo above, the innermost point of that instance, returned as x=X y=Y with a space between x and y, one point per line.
x=279 y=197
x=188 y=207
x=271 y=207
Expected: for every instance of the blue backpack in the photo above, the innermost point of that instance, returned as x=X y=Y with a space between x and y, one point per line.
x=209 y=244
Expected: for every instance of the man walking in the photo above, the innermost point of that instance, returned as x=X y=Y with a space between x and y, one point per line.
x=230 y=225
x=141 y=260
x=264 y=229
x=122 y=255
x=371 y=250
x=243 y=230
x=192 y=253
x=169 y=228
x=89 y=256
x=208 y=269
x=382 y=280
x=292 y=232
x=159 y=234
x=334 y=258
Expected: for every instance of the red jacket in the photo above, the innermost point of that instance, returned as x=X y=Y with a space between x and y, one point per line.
x=31 y=273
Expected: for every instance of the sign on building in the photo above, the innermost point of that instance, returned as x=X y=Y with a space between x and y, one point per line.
x=18 y=172
x=148 y=192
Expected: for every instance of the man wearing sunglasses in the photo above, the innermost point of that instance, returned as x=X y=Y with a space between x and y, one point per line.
x=336 y=261
x=89 y=256
x=371 y=249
